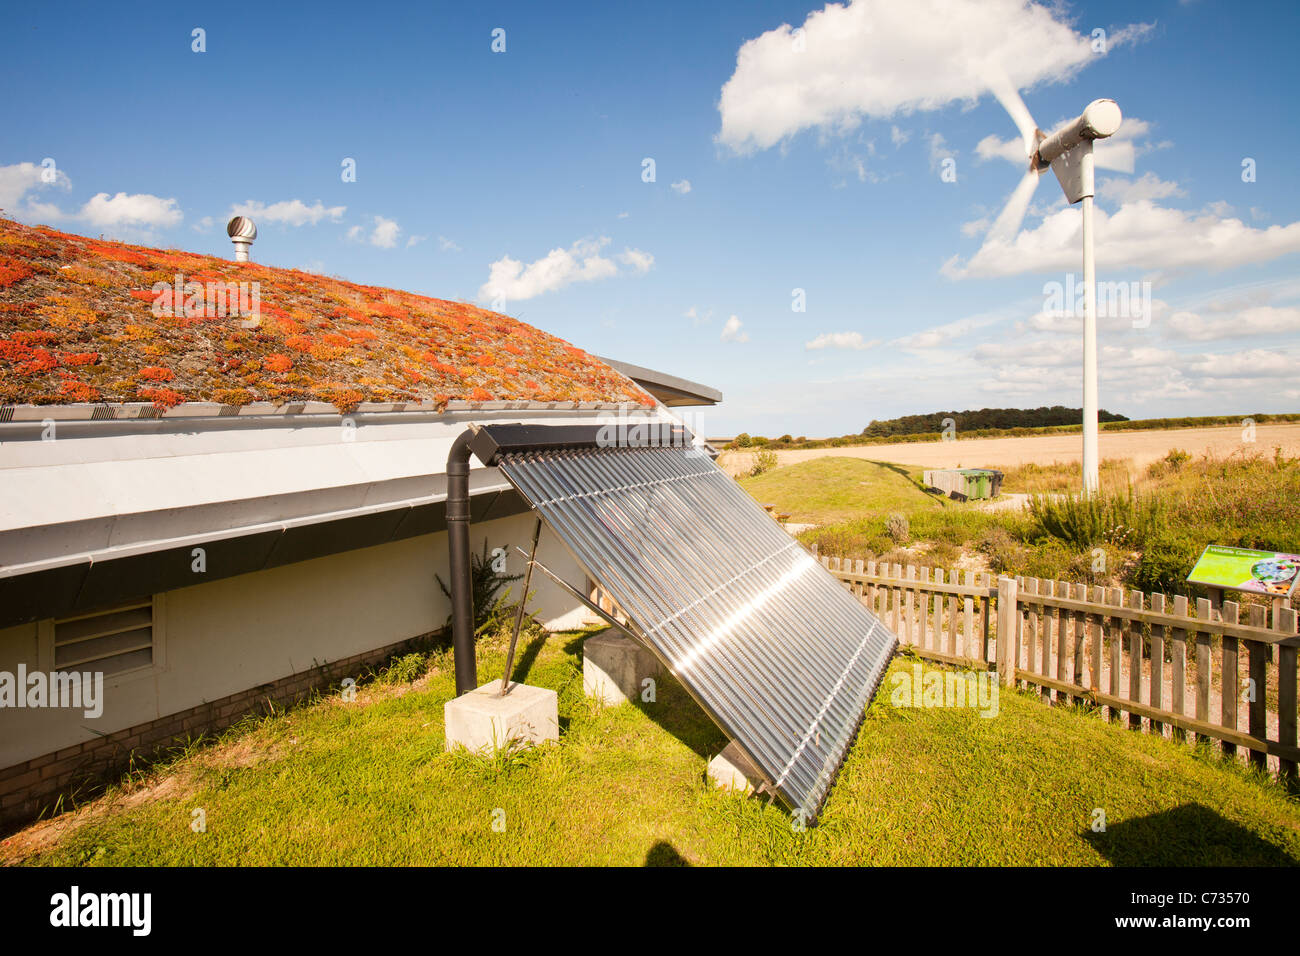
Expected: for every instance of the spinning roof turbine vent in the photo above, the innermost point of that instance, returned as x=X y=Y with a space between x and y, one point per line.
x=773 y=648
x=242 y=232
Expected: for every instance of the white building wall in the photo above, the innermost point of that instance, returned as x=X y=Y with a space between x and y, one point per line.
x=229 y=635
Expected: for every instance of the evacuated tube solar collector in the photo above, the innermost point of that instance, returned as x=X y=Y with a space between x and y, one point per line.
x=765 y=639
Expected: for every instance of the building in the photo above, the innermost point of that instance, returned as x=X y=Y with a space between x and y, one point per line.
x=217 y=507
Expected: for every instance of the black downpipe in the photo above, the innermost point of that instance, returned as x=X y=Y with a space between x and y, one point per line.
x=462 y=596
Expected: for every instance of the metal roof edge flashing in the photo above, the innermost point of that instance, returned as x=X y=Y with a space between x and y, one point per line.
x=490 y=442
x=133 y=411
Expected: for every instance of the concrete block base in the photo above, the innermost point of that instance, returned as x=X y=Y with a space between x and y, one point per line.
x=484 y=723
x=613 y=667
x=732 y=770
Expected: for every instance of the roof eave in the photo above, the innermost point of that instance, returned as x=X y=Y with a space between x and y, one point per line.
x=670 y=390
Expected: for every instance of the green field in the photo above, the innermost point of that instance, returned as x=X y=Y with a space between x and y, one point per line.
x=1152 y=524
x=826 y=490
x=369 y=782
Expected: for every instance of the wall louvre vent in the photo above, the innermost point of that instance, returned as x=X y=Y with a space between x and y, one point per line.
x=112 y=641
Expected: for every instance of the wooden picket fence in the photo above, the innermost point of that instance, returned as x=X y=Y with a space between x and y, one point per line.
x=1169 y=666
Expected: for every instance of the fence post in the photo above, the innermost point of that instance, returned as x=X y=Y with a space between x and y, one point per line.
x=1008 y=652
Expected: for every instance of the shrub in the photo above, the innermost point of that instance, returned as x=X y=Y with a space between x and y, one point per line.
x=1086 y=520
x=1165 y=563
x=763 y=461
x=742 y=440
x=405 y=669
x=896 y=527
x=486 y=582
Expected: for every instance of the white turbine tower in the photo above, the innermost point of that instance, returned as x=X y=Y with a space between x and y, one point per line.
x=1068 y=152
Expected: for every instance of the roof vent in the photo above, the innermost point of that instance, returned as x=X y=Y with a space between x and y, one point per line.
x=242 y=232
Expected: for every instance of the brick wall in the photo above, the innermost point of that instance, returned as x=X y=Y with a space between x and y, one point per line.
x=36 y=785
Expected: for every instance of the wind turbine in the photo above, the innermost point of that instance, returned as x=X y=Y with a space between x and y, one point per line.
x=1068 y=153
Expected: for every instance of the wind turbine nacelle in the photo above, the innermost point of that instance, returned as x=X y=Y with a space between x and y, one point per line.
x=1100 y=119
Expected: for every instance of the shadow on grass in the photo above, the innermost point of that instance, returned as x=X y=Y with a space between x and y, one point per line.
x=939 y=499
x=574 y=647
x=663 y=854
x=527 y=656
x=676 y=712
x=1190 y=835
x=673 y=708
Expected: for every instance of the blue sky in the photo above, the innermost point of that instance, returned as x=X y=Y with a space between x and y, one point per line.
x=822 y=168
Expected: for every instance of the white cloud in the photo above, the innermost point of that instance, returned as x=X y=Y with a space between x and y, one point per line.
x=384 y=235
x=1047 y=367
x=122 y=214
x=898 y=137
x=1249 y=363
x=447 y=245
x=414 y=240
x=932 y=338
x=841 y=340
x=18 y=180
x=639 y=260
x=204 y=224
x=288 y=212
x=696 y=317
x=1140 y=235
x=731 y=332
x=1146 y=186
x=139 y=210
x=993 y=147
x=42 y=211
x=845 y=160
x=1259 y=320
x=681 y=187
x=623 y=215
x=581 y=262
x=945 y=334
x=1037 y=353
x=880 y=58
x=939 y=150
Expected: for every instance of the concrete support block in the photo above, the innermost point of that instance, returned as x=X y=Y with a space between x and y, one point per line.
x=484 y=723
x=613 y=667
x=732 y=770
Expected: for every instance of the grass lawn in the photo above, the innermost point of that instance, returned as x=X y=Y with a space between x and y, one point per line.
x=826 y=490
x=368 y=782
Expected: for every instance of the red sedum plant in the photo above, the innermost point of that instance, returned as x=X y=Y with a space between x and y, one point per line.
x=68 y=302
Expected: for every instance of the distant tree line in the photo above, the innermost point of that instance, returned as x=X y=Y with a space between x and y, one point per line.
x=984 y=418
x=1074 y=427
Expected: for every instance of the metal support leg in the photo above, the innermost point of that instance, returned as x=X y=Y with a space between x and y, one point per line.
x=519 y=615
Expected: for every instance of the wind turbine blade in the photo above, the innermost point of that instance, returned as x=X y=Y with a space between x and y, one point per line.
x=1109 y=154
x=1007 y=225
x=1010 y=99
